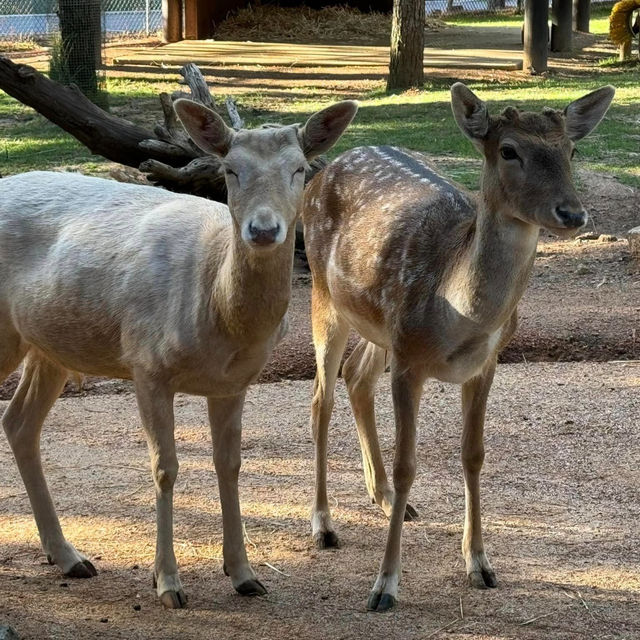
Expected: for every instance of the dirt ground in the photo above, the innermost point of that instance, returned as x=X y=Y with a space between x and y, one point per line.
x=561 y=503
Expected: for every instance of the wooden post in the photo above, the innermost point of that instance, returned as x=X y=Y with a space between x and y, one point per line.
x=171 y=20
x=581 y=15
x=536 y=36
x=561 y=28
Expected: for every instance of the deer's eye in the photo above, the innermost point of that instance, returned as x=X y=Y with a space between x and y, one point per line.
x=508 y=153
x=298 y=170
x=230 y=172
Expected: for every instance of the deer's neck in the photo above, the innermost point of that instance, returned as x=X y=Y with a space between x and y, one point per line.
x=492 y=272
x=252 y=289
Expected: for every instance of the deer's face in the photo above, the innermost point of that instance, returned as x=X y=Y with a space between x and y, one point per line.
x=527 y=168
x=264 y=171
x=528 y=171
x=265 y=168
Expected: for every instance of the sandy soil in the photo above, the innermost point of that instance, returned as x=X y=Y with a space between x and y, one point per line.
x=561 y=502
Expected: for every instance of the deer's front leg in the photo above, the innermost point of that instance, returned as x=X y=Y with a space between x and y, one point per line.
x=406 y=389
x=474 y=406
x=225 y=417
x=155 y=403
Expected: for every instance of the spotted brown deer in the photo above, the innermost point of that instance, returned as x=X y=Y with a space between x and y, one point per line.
x=177 y=293
x=430 y=276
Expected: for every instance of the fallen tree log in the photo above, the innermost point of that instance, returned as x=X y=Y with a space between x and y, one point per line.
x=167 y=156
x=103 y=134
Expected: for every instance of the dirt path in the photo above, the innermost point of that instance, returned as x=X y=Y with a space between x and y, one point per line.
x=561 y=502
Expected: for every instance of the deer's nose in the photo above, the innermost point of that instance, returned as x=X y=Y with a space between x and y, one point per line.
x=571 y=219
x=261 y=236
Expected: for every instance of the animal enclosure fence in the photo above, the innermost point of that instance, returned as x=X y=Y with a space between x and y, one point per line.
x=444 y=7
x=39 y=19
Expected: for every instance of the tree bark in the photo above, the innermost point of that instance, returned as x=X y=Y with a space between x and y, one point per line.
x=582 y=14
x=536 y=36
x=406 y=66
x=561 y=28
x=79 y=52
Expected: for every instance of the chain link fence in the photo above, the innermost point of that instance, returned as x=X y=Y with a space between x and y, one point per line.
x=443 y=7
x=38 y=19
x=448 y=7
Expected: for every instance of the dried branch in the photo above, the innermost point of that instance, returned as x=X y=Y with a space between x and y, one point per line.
x=236 y=121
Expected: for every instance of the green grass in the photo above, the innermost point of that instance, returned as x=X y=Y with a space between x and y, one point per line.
x=599 y=23
x=417 y=120
x=423 y=121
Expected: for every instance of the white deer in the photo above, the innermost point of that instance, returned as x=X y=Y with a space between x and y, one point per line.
x=431 y=275
x=177 y=293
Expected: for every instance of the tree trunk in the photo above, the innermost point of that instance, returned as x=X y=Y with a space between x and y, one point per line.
x=581 y=11
x=78 y=56
x=406 y=68
x=536 y=36
x=561 y=29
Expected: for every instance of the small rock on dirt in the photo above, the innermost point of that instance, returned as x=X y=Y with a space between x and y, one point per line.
x=606 y=237
x=589 y=235
x=582 y=270
x=7 y=633
x=634 y=242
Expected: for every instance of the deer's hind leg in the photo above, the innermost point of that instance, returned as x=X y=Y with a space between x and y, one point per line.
x=330 y=333
x=361 y=372
x=41 y=383
x=474 y=405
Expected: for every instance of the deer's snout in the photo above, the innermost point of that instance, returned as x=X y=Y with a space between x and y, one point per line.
x=264 y=229
x=263 y=237
x=571 y=217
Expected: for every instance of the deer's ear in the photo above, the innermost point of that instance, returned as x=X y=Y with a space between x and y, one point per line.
x=206 y=128
x=470 y=113
x=583 y=115
x=324 y=128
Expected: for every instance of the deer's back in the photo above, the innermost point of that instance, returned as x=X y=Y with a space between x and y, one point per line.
x=89 y=266
x=381 y=227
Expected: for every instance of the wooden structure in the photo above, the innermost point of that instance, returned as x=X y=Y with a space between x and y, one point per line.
x=197 y=19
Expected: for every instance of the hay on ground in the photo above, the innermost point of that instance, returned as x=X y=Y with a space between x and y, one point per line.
x=344 y=25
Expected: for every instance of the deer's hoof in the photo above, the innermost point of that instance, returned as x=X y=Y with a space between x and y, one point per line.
x=82 y=569
x=251 y=588
x=483 y=579
x=381 y=602
x=410 y=514
x=326 y=540
x=173 y=599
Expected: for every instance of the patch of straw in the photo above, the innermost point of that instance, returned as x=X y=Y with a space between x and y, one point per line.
x=344 y=25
